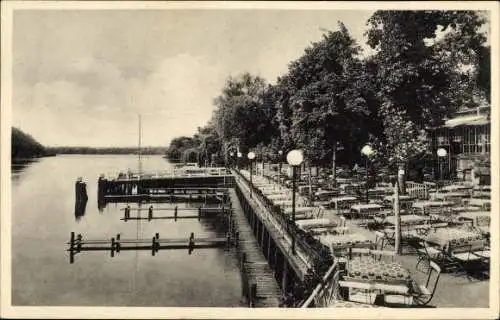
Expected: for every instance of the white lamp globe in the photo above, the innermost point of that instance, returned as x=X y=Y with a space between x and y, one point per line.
x=367 y=150
x=280 y=152
x=231 y=154
x=239 y=154
x=295 y=157
x=251 y=155
x=441 y=152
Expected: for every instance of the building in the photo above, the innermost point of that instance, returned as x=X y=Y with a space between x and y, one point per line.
x=467 y=139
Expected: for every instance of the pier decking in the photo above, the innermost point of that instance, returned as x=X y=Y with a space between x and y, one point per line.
x=259 y=282
x=115 y=245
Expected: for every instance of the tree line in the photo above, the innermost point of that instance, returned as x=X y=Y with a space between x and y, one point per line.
x=24 y=146
x=332 y=100
x=107 y=150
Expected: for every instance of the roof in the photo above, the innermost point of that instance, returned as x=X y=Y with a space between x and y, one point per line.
x=474 y=120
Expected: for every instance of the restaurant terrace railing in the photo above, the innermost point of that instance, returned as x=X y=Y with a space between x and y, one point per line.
x=324 y=290
x=305 y=241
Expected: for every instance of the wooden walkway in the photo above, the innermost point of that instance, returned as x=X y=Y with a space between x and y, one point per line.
x=255 y=269
x=78 y=244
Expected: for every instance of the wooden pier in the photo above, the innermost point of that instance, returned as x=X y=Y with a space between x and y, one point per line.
x=190 y=198
x=259 y=284
x=116 y=244
x=202 y=212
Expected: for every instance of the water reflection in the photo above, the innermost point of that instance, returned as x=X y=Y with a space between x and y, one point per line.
x=80 y=207
x=18 y=166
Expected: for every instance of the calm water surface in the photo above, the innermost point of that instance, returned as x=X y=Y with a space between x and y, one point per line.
x=43 y=215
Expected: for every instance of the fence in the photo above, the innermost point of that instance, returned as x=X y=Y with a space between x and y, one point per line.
x=417 y=190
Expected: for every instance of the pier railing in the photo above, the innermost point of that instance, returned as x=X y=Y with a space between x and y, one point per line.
x=285 y=225
x=325 y=291
x=184 y=172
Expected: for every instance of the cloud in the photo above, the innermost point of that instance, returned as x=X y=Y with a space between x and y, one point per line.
x=94 y=104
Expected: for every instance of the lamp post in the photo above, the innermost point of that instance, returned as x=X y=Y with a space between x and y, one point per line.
x=251 y=156
x=280 y=158
x=239 y=155
x=367 y=151
x=231 y=154
x=441 y=153
x=294 y=158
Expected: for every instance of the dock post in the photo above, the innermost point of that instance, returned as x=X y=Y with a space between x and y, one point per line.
x=199 y=213
x=175 y=213
x=150 y=213
x=117 y=243
x=72 y=241
x=191 y=243
x=253 y=293
x=112 y=247
x=79 y=243
x=190 y=197
x=157 y=236
x=153 y=246
x=228 y=239
x=71 y=257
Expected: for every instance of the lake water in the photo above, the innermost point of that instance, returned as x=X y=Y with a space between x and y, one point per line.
x=43 y=215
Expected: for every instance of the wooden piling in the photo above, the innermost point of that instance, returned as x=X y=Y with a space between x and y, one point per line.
x=153 y=246
x=112 y=247
x=175 y=213
x=79 y=242
x=117 y=243
x=191 y=243
x=199 y=213
x=72 y=241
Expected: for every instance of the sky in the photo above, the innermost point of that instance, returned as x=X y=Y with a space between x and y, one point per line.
x=81 y=77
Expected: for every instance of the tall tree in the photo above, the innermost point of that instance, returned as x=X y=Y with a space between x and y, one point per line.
x=242 y=113
x=415 y=88
x=326 y=99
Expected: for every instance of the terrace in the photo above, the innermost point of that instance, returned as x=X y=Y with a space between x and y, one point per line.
x=444 y=236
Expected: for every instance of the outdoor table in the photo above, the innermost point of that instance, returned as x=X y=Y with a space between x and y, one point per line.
x=316 y=223
x=427 y=207
x=345 y=240
x=456 y=187
x=447 y=196
x=409 y=219
x=278 y=196
x=446 y=237
x=483 y=203
x=288 y=211
x=474 y=214
x=369 y=270
x=351 y=304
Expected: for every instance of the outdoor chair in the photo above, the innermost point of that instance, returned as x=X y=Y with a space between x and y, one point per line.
x=379 y=240
x=421 y=294
x=473 y=251
x=382 y=255
x=354 y=252
x=427 y=254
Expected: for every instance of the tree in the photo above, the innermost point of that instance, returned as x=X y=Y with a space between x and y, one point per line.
x=24 y=145
x=416 y=89
x=325 y=100
x=244 y=113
